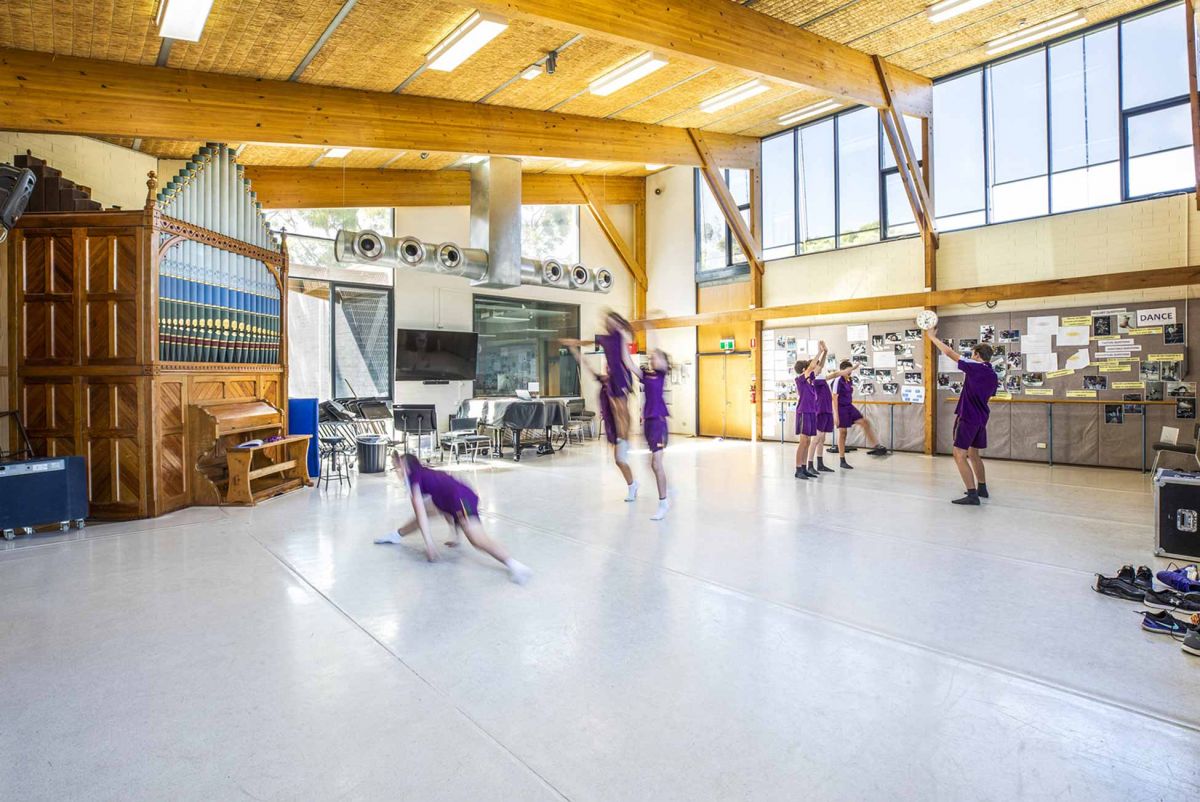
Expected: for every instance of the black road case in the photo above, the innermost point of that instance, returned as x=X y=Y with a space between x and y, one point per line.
x=42 y=491
x=1177 y=519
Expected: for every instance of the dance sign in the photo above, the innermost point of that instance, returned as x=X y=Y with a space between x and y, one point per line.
x=1156 y=317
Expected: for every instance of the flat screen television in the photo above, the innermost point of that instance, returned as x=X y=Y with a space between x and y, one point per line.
x=435 y=355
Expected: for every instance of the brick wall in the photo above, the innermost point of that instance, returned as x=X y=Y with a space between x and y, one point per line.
x=116 y=175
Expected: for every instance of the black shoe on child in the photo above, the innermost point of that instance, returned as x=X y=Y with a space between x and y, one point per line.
x=983 y=490
x=821 y=466
x=801 y=473
x=846 y=466
x=971 y=499
x=878 y=451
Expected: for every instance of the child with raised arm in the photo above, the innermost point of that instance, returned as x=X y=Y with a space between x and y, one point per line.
x=432 y=491
x=806 y=411
x=654 y=422
x=845 y=414
x=816 y=448
x=609 y=417
x=971 y=415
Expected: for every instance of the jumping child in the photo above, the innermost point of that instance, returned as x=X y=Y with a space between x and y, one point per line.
x=806 y=411
x=845 y=414
x=432 y=491
x=654 y=422
x=816 y=448
x=609 y=416
x=971 y=415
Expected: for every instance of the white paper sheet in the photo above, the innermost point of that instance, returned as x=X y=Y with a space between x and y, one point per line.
x=857 y=334
x=1079 y=360
x=1036 y=344
x=947 y=365
x=1047 y=324
x=1074 y=335
x=885 y=359
x=1041 y=363
x=913 y=395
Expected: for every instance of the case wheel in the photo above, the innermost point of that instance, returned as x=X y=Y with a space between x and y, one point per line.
x=28 y=530
x=80 y=523
x=64 y=526
x=9 y=534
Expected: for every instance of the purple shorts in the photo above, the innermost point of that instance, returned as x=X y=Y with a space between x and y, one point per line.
x=606 y=417
x=848 y=416
x=806 y=423
x=824 y=421
x=969 y=435
x=656 y=433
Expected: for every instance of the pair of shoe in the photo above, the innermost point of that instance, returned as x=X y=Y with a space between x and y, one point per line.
x=1181 y=605
x=1163 y=623
x=1128 y=584
x=1184 y=580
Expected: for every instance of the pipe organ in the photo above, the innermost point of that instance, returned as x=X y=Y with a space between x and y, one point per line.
x=214 y=305
x=124 y=323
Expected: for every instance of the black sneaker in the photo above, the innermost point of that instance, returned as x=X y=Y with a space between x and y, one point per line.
x=970 y=500
x=821 y=467
x=983 y=490
x=1191 y=643
x=801 y=474
x=1181 y=605
x=1118 y=588
x=811 y=474
x=878 y=451
x=1144 y=578
x=846 y=466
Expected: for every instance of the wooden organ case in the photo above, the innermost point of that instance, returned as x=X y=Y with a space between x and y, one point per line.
x=122 y=321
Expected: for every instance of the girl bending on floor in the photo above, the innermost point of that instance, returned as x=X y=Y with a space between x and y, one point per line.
x=435 y=492
x=654 y=422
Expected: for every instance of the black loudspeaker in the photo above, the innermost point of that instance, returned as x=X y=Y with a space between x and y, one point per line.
x=42 y=491
x=1177 y=518
x=15 y=188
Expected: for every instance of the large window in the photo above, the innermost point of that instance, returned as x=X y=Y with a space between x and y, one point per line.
x=717 y=253
x=550 y=232
x=339 y=340
x=1097 y=117
x=519 y=346
x=310 y=233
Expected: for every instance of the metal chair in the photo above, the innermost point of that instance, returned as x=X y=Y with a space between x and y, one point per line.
x=464 y=438
x=335 y=454
x=1192 y=449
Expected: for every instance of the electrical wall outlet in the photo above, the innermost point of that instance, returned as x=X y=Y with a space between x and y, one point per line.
x=1041 y=445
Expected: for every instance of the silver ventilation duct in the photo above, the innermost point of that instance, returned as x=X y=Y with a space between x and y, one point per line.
x=496 y=220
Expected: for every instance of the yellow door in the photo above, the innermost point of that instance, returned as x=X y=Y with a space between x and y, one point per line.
x=724 y=395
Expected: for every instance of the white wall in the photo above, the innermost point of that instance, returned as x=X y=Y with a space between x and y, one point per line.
x=116 y=175
x=671 y=259
x=425 y=300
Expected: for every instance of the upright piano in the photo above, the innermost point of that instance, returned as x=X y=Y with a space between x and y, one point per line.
x=228 y=474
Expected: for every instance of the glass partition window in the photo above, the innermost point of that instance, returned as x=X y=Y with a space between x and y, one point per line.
x=858 y=177
x=818 y=190
x=717 y=252
x=1084 y=122
x=550 y=232
x=1159 y=145
x=958 y=161
x=1017 y=141
x=339 y=340
x=519 y=346
x=1153 y=57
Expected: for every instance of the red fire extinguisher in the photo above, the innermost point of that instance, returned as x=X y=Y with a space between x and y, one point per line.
x=753 y=391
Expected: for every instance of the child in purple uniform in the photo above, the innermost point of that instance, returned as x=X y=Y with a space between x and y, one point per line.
x=971 y=415
x=824 y=403
x=654 y=422
x=432 y=491
x=845 y=414
x=806 y=411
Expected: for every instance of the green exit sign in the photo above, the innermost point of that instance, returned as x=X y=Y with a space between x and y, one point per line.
x=727 y=345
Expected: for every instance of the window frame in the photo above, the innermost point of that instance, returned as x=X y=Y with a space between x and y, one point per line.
x=578 y=228
x=390 y=293
x=730 y=270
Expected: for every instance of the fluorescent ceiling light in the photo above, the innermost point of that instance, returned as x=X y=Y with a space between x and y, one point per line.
x=655 y=166
x=531 y=72
x=808 y=112
x=337 y=153
x=627 y=73
x=183 y=19
x=465 y=41
x=948 y=9
x=1036 y=33
x=735 y=95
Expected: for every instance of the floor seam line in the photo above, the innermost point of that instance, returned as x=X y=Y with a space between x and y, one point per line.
x=1030 y=678
x=291 y=569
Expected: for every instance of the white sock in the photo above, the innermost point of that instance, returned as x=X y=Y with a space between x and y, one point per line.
x=633 y=488
x=518 y=572
x=390 y=537
x=664 y=504
x=622 y=451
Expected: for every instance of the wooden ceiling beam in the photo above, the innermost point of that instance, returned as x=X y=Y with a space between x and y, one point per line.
x=610 y=231
x=1128 y=281
x=730 y=35
x=44 y=93
x=332 y=187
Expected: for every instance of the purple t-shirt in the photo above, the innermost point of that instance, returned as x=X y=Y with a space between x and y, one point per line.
x=653 y=404
x=447 y=493
x=843 y=388
x=808 y=396
x=823 y=396
x=619 y=378
x=979 y=385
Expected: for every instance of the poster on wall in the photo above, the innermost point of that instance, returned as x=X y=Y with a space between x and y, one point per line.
x=1125 y=322
x=1154 y=391
x=906 y=364
x=1132 y=409
x=858 y=349
x=946 y=363
x=854 y=333
x=912 y=334
x=877 y=343
x=885 y=359
x=1043 y=363
x=889 y=388
x=943 y=381
x=867 y=390
x=856 y=359
x=1035 y=379
x=956 y=388
x=1101 y=326
x=1173 y=334
x=1114 y=413
x=913 y=394
x=912 y=378
x=883 y=375
x=892 y=336
x=903 y=350
x=1079 y=360
x=1171 y=371
x=1015 y=360
x=1037 y=344
x=1095 y=382
x=1155 y=317
x=1012 y=384
x=1179 y=389
x=1185 y=408
x=1044 y=324
x=987 y=333
x=1010 y=335
x=1073 y=335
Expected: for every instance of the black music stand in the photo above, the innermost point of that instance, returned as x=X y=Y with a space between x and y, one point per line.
x=418 y=419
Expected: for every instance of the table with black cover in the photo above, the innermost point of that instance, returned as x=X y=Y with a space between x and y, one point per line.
x=518 y=418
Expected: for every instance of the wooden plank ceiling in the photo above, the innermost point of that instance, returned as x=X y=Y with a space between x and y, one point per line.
x=380 y=45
